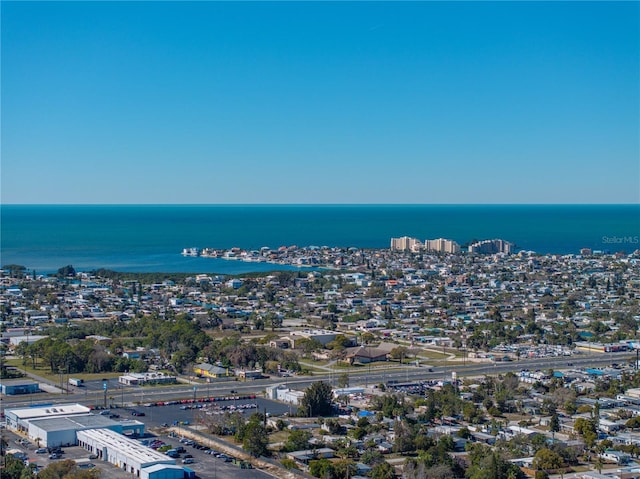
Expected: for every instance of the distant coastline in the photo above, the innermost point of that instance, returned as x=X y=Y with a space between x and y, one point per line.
x=150 y=238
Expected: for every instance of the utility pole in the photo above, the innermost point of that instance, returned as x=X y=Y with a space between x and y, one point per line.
x=444 y=370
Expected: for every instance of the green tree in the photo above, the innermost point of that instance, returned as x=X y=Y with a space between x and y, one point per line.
x=599 y=464
x=546 y=459
x=66 y=271
x=554 y=425
x=298 y=440
x=253 y=435
x=309 y=345
x=14 y=468
x=344 y=469
x=343 y=380
x=399 y=352
x=405 y=434
x=317 y=400
x=339 y=343
x=382 y=470
x=371 y=457
x=333 y=425
x=633 y=423
x=322 y=468
x=289 y=464
x=489 y=464
x=67 y=469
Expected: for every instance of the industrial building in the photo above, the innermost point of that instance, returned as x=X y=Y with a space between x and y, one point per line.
x=166 y=471
x=58 y=425
x=18 y=419
x=19 y=386
x=125 y=453
x=282 y=393
x=62 y=431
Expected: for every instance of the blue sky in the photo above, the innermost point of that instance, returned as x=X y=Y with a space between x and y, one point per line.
x=328 y=102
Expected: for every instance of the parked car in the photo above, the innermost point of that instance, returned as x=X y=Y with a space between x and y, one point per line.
x=55 y=456
x=188 y=460
x=42 y=450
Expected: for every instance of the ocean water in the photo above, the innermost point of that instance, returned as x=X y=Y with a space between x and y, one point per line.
x=151 y=237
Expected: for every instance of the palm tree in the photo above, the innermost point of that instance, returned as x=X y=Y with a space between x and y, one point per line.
x=554 y=425
x=599 y=463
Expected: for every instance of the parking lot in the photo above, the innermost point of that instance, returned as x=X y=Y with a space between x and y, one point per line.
x=155 y=416
x=205 y=464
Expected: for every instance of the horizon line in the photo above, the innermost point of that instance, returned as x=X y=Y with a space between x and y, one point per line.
x=2 y=204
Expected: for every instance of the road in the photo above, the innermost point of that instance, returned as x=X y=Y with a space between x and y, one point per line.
x=205 y=465
x=94 y=394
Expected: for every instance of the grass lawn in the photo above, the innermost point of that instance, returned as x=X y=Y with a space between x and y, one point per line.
x=46 y=373
x=280 y=436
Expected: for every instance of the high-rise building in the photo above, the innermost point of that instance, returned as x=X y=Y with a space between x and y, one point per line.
x=491 y=247
x=442 y=245
x=405 y=244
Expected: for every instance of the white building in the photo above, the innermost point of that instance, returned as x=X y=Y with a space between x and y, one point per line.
x=405 y=244
x=347 y=392
x=618 y=457
x=138 y=379
x=442 y=245
x=324 y=336
x=122 y=452
x=18 y=419
x=62 y=431
x=491 y=247
x=29 y=339
x=58 y=425
x=284 y=394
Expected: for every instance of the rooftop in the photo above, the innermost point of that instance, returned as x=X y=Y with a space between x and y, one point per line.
x=50 y=410
x=120 y=443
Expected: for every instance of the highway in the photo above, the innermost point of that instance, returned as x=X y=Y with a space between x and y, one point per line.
x=94 y=394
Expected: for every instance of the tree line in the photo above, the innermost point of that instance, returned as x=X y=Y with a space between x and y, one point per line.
x=179 y=342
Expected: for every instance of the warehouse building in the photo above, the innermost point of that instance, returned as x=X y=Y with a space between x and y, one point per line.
x=138 y=379
x=163 y=471
x=62 y=431
x=57 y=424
x=18 y=419
x=19 y=386
x=122 y=452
